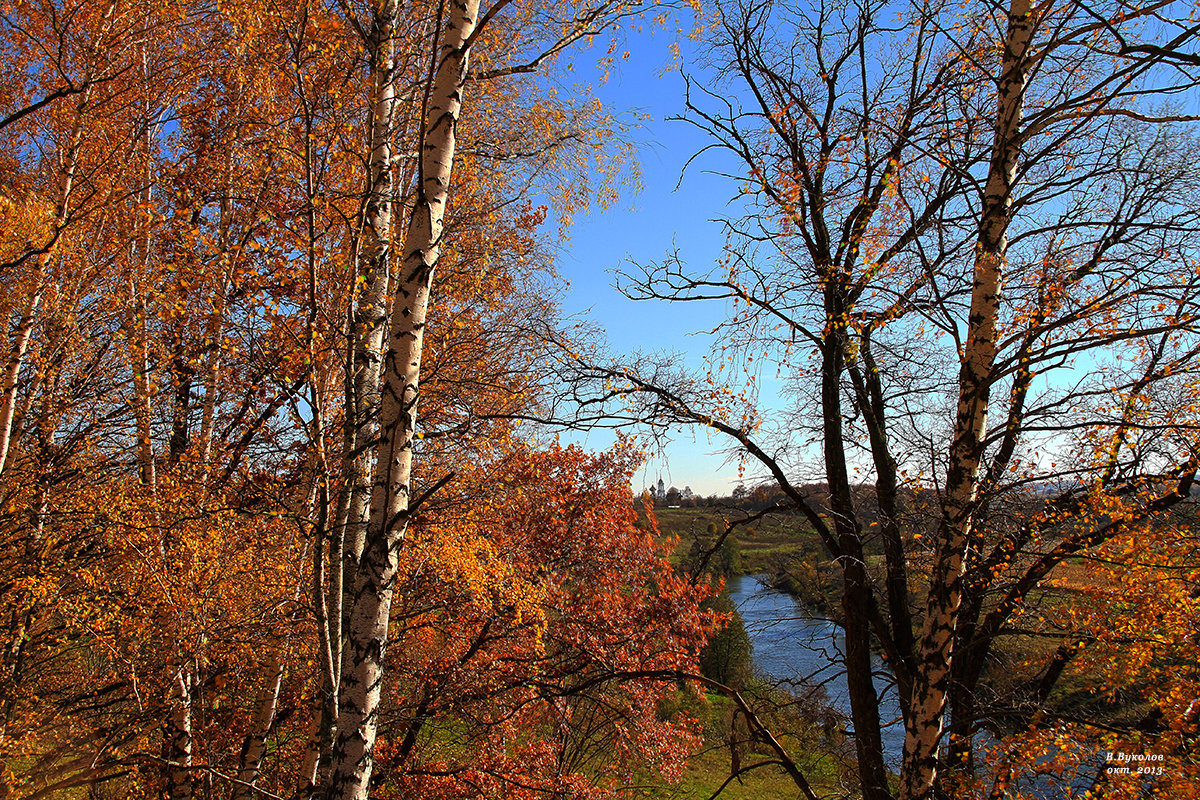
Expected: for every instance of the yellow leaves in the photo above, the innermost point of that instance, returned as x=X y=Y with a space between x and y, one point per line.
x=26 y=224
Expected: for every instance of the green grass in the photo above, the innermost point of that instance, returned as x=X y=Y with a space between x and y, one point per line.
x=763 y=544
x=709 y=767
x=707 y=771
x=782 y=546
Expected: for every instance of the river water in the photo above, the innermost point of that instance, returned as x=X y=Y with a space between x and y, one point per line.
x=791 y=644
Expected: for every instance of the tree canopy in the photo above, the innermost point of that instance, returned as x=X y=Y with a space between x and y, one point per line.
x=280 y=511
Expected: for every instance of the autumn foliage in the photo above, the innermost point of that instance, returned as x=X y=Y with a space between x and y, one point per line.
x=527 y=603
x=280 y=511
x=185 y=204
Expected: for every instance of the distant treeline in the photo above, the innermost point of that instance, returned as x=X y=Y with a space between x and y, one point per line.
x=747 y=498
x=768 y=495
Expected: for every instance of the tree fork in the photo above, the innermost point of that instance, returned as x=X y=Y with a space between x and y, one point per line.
x=366 y=644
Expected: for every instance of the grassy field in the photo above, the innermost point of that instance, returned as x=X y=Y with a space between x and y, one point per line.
x=710 y=767
x=782 y=546
x=708 y=770
x=762 y=545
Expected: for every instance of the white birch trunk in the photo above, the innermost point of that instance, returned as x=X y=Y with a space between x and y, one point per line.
x=924 y=731
x=362 y=669
x=142 y=389
x=254 y=746
x=367 y=332
x=368 y=326
x=21 y=338
x=177 y=739
x=310 y=766
x=16 y=360
x=139 y=274
x=24 y=332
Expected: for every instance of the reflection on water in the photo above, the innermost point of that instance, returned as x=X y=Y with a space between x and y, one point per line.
x=792 y=645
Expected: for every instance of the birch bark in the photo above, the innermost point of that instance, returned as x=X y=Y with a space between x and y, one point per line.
x=368 y=326
x=29 y=314
x=178 y=783
x=69 y=165
x=366 y=640
x=924 y=727
x=367 y=329
x=254 y=746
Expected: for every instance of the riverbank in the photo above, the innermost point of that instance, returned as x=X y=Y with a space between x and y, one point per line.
x=727 y=746
x=802 y=649
x=782 y=550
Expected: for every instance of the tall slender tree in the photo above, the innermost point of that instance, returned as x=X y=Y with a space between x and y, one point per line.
x=958 y=210
x=456 y=28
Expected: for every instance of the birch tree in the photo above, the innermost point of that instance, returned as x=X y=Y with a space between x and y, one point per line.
x=978 y=359
x=209 y=287
x=370 y=569
x=951 y=211
x=374 y=575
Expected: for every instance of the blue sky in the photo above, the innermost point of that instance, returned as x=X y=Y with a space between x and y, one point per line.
x=673 y=212
x=644 y=227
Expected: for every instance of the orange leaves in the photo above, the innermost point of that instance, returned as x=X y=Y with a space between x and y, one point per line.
x=178 y=419
x=26 y=223
x=120 y=589
x=530 y=579
x=1128 y=615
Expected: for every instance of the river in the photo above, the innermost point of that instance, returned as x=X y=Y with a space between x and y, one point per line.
x=791 y=644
